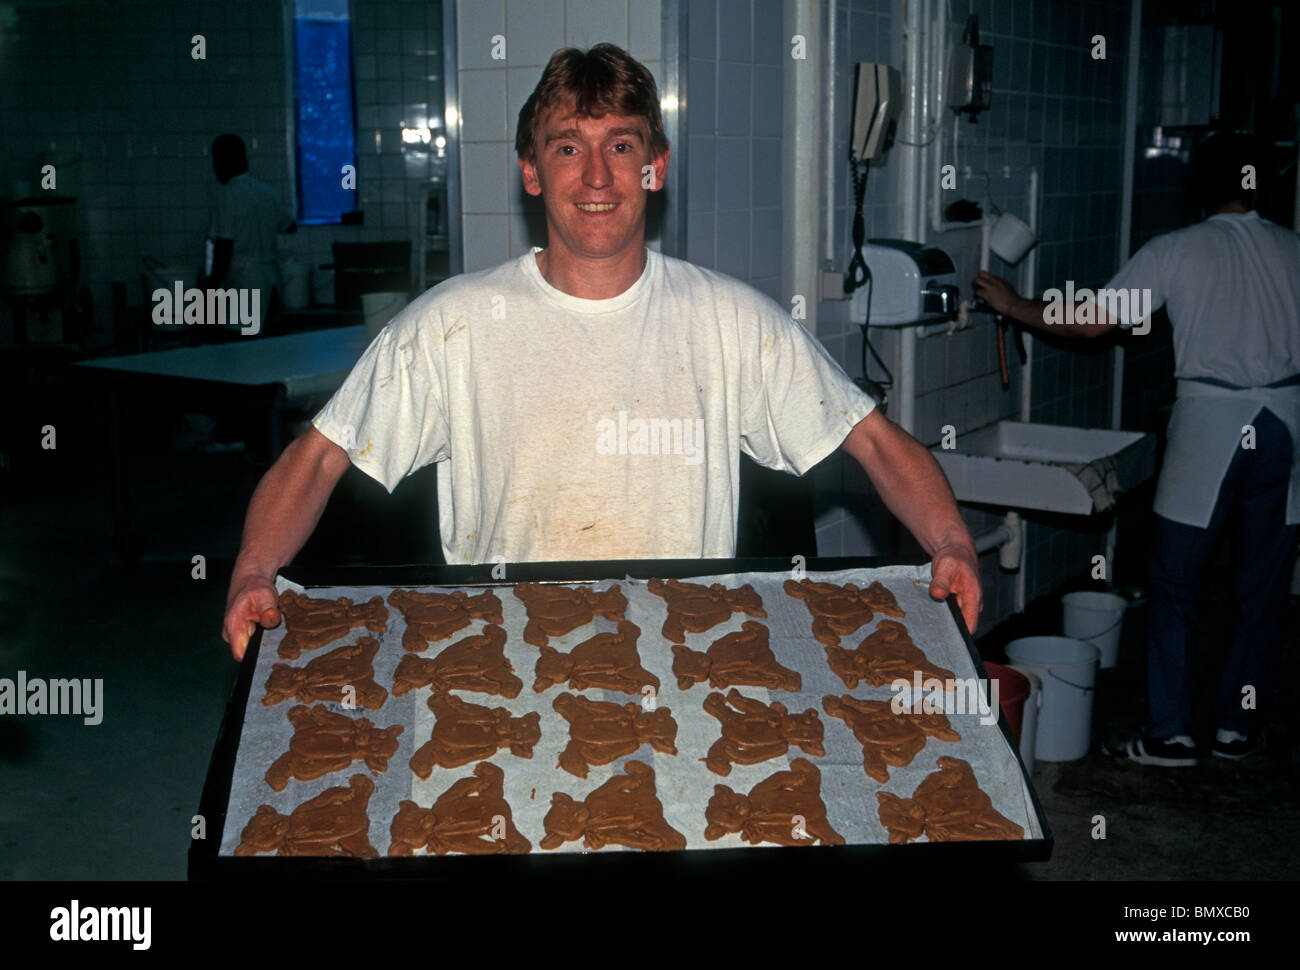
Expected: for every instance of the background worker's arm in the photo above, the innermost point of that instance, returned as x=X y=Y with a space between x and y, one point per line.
x=1002 y=297
x=914 y=488
x=283 y=512
x=223 y=251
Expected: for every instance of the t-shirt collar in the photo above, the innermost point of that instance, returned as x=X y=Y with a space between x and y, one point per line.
x=580 y=305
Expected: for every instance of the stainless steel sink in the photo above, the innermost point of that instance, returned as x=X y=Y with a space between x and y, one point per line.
x=1047 y=467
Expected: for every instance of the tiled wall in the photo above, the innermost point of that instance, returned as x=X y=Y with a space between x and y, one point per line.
x=116 y=84
x=500 y=219
x=735 y=51
x=1060 y=111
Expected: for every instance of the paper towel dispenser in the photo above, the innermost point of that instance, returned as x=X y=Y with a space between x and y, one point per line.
x=910 y=283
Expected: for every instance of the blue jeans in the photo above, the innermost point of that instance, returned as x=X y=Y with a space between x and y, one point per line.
x=1253 y=496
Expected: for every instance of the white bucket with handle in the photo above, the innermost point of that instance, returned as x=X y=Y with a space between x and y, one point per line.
x=378 y=309
x=1029 y=719
x=1068 y=670
x=1097 y=618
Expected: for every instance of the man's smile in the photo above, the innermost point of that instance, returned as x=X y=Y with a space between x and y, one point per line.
x=596 y=206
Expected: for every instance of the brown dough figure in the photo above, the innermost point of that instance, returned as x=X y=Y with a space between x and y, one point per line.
x=887 y=738
x=325 y=677
x=607 y=660
x=436 y=616
x=477 y=662
x=948 y=806
x=886 y=655
x=324 y=741
x=753 y=731
x=311 y=623
x=466 y=732
x=332 y=823
x=785 y=808
x=556 y=610
x=741 y=658
x=623 y=811
x=471 y=816
x=840 y=610
x=693 y=608
x=601 y=731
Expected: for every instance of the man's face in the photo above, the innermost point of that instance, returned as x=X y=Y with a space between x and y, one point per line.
x=591 y=175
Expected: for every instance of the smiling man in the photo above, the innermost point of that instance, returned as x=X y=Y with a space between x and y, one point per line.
x=591 y=399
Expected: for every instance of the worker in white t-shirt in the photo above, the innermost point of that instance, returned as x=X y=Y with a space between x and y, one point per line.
x=1232 y=288
x=246 y=216
x=590 y=400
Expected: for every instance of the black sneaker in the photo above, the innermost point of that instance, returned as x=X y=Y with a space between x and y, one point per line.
x=1235 y=745
x=1176 y=752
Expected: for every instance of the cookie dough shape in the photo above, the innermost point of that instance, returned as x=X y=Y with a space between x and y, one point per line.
x=886 y=655
x=324 y=742
x=948 y=806
x=310 y=623
x=436 y=616
x=608 y=660
x=325 y=677
x=840 y=610
x=753 y=731
x=472 y=817
x=887 y=738
x=693 y=608
x=785 y=808
x=334 y=823
x=601 y=731
x=743 y=658
x=465 y=732
x=556 y=610
x=477 y=662
x=622 y=811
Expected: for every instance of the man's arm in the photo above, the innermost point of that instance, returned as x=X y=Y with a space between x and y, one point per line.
x=1002 y=297
x=284 y=510
x=914 y=488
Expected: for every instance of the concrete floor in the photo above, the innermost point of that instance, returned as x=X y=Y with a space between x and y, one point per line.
x=115 y=801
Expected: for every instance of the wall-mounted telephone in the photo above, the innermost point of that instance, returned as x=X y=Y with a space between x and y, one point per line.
x=877 y=99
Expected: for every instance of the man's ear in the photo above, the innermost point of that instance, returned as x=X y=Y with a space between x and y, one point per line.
x=660 y=164
x=532 y=183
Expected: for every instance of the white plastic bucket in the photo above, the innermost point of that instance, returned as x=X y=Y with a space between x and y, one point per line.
x=1010 y=238
x=1097 y=618
x=1068 y=670
x=379 y=308
x=1029 y=720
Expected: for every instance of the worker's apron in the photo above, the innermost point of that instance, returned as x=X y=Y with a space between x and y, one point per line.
x=1205 y=431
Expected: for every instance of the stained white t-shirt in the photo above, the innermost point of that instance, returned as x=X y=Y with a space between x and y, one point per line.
x=1232 y=288
x=574 y=429
x=247 y=212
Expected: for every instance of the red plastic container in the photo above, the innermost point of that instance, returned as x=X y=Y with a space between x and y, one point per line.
x=1013 y=691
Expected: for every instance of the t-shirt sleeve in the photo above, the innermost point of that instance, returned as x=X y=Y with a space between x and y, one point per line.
x=1144 y=271
x=390 y=415
x=798 y=404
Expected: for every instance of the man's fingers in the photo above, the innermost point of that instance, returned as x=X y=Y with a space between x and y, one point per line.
x=270 y=617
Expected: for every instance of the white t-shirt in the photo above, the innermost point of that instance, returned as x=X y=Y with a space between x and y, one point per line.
x=1232 y=286
x=248 y=213
x=572 y=429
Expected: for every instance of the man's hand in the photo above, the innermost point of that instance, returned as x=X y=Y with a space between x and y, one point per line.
x=996 y=292
x=252 y=602
x=955 y=569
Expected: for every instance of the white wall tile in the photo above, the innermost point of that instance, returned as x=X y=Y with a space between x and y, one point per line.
x=477 y=22
x=482 y=187
x=534 y=31
x=591 y=22
x=483 y=106
x=487 y=241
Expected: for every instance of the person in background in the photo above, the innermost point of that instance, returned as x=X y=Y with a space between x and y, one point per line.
x=244 y=221
x=1231 y=284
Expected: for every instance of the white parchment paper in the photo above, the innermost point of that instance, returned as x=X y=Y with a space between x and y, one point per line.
x=684 y=784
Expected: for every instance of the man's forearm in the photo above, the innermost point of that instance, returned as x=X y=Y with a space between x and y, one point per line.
x=286 y=506
x=912 y=486
x=1033 y=313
